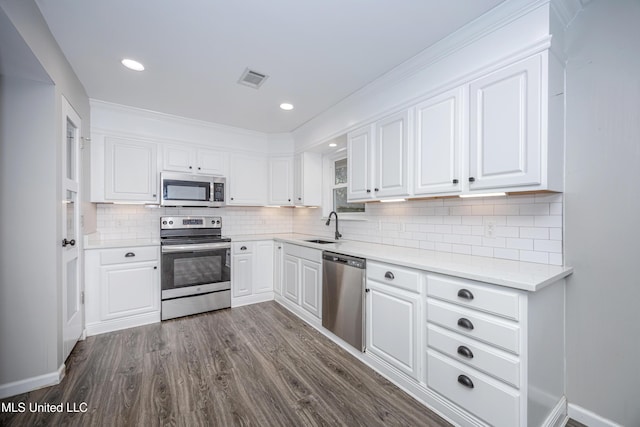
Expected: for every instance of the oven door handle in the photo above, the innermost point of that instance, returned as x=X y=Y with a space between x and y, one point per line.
x=198 y=247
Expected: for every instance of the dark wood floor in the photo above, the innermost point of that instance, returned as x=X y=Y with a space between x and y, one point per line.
x=252 y=366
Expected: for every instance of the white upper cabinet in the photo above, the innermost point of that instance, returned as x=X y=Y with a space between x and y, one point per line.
x=308 y=179
x=195 y=160
x=438 y=139
x=130 y=171
x=391 y=153
x=247 y=180
x=359 y=164
x=281 y=181
x=505 y=127
x=377 y=159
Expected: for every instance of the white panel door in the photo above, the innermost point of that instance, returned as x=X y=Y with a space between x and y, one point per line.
x=178 y=159
x=129 y=289
x=359 y=164
x=281 y=181
x=242 y=270
x=438 y=135
x=247 y=180
x=130 y=170
x=212 y=162
x=505 y=127
x=263 y=267
x=277 y=268
x=392 y=326
x=311 y=285
x=391 y=151
x=72 y=294
x=290 y=281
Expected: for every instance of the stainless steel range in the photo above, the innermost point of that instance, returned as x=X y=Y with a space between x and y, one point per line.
x=196 y=265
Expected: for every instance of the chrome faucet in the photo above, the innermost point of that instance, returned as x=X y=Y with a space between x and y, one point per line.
x=338 y=235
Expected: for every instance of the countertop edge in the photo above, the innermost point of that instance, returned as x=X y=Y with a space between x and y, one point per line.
x=536 y=281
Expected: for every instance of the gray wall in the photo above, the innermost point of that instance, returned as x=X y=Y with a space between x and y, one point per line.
x=30 y=195
x=602 y=207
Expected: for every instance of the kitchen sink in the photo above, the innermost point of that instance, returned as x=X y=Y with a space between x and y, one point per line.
x=320 y=241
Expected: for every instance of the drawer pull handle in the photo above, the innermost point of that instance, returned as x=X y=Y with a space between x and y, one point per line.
x=129 y=255
x=465 y=323
x=389 y=275
x=465 y=381
x=243 y=248
x=466 y=294
x=465 y=352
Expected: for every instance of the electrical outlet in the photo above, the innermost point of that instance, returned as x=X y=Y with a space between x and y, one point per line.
x=490 y=229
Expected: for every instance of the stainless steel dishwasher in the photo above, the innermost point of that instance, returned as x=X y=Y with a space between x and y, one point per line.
x=343 y=280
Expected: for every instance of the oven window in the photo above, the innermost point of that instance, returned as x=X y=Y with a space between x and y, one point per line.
x=184 y=269
x=197 y=271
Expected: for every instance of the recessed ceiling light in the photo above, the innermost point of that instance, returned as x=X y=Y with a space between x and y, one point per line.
x=333 y=144
x=286 y=106
x=132 y=65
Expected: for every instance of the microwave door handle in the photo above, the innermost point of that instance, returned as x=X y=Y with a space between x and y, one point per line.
x=195 y=248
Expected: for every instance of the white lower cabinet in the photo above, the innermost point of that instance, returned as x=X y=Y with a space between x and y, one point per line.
x=302 y=281
x=122 y=288
x=496 y=353
x=393 y=316
x=251 y=272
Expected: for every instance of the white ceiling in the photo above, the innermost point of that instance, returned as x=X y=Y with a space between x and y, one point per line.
x=316 y=52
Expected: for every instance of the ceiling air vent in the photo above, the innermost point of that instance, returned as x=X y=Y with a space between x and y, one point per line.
x=252 y=78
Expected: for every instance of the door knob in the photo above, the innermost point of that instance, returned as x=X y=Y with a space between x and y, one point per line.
x=66 y=242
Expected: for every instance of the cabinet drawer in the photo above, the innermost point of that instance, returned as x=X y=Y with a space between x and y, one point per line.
x=303 y=252
x=474 y=295
x=393 y=275
x=125 y=255
x=470 y=352
x=488 y=399
x=240 y=248
x=493 y=331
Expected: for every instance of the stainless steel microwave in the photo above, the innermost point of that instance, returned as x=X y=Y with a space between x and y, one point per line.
x=182 y=189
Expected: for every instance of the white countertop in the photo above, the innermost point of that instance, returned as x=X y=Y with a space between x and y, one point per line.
x=525 y=276
x=94 y=243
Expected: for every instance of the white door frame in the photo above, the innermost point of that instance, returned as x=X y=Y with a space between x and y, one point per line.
x=72 y=308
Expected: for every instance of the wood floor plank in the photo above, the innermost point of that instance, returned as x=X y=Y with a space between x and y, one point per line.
x=257 y=365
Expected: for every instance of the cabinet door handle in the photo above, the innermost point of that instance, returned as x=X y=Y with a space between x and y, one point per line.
x=368 y=191
x=389 y=275
x=376 y=189
x=129 y=255
x=155 y=267
x=288 y=200
x=465 y=381
x=154 y=196
x=455 y=181
x=466 y=294
x=199 y=168
x=232 y=198
x=471 y=179
x=465 y=352
x=367 y=290
x=465 y=323
x=243 y=248
x=190 y=167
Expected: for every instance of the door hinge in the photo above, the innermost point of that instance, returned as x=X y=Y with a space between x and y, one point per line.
x=82 y=297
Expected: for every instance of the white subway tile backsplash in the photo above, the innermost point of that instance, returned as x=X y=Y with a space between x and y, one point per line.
x=528 y=227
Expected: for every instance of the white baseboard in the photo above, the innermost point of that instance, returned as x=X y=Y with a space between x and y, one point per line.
x=251 y=299
x=33 y=383
x=96 y=328
x=557 y=417
x=589 y=418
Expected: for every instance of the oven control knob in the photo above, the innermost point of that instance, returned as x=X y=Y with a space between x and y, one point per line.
x=164 y=222
x=217 y=221
x=170 y=222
